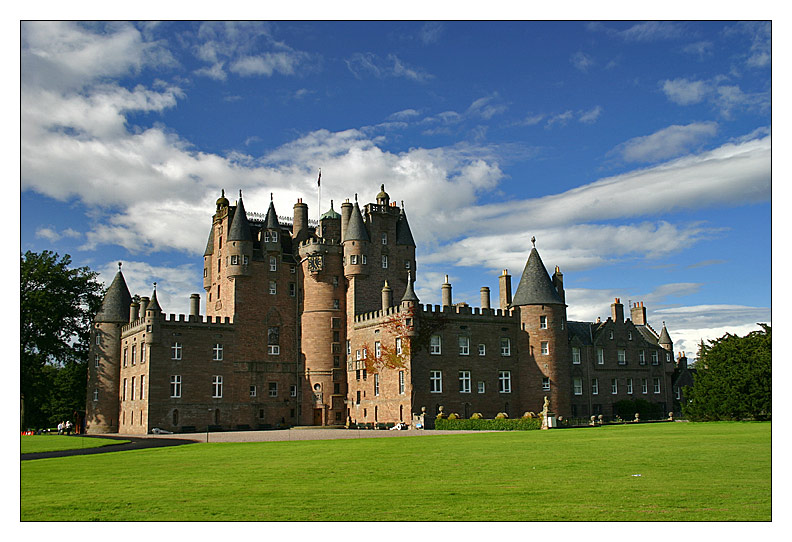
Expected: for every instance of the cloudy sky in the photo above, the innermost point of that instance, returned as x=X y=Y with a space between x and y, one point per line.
x=637 y=153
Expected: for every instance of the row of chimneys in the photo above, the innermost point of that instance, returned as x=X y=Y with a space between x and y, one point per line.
x=637 y=312
x=137 y=309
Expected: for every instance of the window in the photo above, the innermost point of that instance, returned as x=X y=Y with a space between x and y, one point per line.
x=273 y=340
x=273 y=263
x=96 y=360
x=272 y=389
x=349 y=348
x=217 y=352
x=353 y=259
x=377 y=349
x=656 y=384
x=234 y=260
x=336 y=304
x=363 y=259
x=621 y=356
x=292 y=289
x=505 y=344
x=376 y=384
x=384 y=238
x=654 y=357
x=678 y=395
x=252 y=391
x=175 y=386
x=125 y=357
x=142 y=387
x=123 y=392
x=481 y=386
x=668 y=357
x=176 y=351
x=546 y=383
x=245 y=260
x=293 y=391
x=384 y=261
x=357 y=355
x=357 y=398
x=600 y=356
x=435 y=382
x=217 y=387
x=406 y=264
x=464 y=345
x=545 y=348
x=143 y=352
x=292 y=269
x=610 y=335
x=335 y=282
x=435 y=344
x=642 y=357
x=614 y=386
x=504 y=381
x=594 y=386
x=98 y=339
x=401 y=383
x=644 y=386
x=133 y=388
x=543 y=322
x=577 y=385
x=273 y=287
x=134 y=350
x=398 y=346
x=96 y=394
x=629 y=386
x=482 y=349
x=464 y=381
x=576 y=355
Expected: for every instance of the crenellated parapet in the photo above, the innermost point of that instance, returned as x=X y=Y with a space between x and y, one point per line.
x=466 y=312
x=177 y=319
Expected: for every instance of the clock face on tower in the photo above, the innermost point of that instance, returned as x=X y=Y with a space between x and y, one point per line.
x=315 y=263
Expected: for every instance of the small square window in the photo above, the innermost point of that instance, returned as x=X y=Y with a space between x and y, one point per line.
x=252 y=391
x=482 y=350
x=273 y=389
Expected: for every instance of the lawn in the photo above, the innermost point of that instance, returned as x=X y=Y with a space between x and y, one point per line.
x=55 y=443
x=651 y=472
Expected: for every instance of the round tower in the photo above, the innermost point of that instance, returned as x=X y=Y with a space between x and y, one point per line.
x=240 y=242
x=104 y=355
x=323 y=328
x=544 y=345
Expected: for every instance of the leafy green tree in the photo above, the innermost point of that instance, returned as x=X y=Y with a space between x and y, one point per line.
x=627 y=408
x=57 y=304
x=733 y=379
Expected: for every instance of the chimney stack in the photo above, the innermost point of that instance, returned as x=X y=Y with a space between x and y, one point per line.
x=195 y=304
x=387 y=297
x=485 y=297
x=638 y=314
x=446 y=293
x=617 y=311
x=505 y=290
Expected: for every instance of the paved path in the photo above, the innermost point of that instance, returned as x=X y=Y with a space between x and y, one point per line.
x=139 y=442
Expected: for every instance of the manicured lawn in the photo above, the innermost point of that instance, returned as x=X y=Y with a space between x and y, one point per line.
x=688 y=472
x=54 y=443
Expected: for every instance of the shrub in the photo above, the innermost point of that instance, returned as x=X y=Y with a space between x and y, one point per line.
x=498 y=424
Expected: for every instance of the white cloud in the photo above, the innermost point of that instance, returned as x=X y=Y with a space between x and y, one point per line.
x=404 y=114
x=52 y=235
x=581 y=61
x=666 y=143
x=590 y=116
x=684 y=92
x=725 y=98
x=561 y=119
x=361 y=64
x=431 y=32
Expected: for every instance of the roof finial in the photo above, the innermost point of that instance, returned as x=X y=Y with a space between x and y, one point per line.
x=222 y=192
x=382 y=188
x=331 y=204
x=533 y=241
x=355 y=196
x=240 y=193
x=402 y=204
x=155 y=286
x=270 y=196
x=119 y=267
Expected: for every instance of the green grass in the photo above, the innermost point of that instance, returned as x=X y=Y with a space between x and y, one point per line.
x=55 y=443
x=688 y=472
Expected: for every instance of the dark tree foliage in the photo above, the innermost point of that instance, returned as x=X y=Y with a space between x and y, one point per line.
x=57 y=305
x=627 y=408
x=733 y=379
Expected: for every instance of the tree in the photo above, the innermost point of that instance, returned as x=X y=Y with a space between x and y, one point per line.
x=733 y=379
x=57 y=305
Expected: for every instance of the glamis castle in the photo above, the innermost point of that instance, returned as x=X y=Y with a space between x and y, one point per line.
x=319 y=324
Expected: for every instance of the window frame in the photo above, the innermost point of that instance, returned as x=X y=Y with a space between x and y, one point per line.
x=464 y=345
x=504 y=382
x=217 y=386
x=435 y=381
x=175 y=386
x=436 y=346
x=465 y=382
x=577 y=385
x=505 y=347
x=217 y=352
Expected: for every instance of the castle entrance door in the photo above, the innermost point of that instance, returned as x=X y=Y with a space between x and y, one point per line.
x=317 y=420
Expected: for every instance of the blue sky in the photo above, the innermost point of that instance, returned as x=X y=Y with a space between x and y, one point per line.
x=637 y=153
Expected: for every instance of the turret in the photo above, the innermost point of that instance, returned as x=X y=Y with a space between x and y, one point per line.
x=665 y=339
x=330 y=224
x=409 y=299
x=207 y=273
x=346 y=213
x=240 y=242
x=542 y=317
x=153 y=314
x=356 y=242
x=383 y=198
x=403 y=233
x=195 y=306
x=104 y=355
x=270 y=240
x=144 y=301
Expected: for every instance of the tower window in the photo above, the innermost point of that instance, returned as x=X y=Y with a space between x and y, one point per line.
x=273 y=287
x=217 y=352
x=217 y=387
x=435 y=344
x=504 y=381
x=435 y=382
x=176 y=351
x=273 y=263
x=384 y=238
x=175 y=386
x=505 y=344
x=543 y=322
x=384 y=261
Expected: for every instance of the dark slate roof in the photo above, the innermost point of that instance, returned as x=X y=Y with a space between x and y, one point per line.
x=409 y=293
x=664 y=337
x=240 y=227
x=535 y=286
x=210 y=243
x=271 y=220
x=647 y=333
x=154 y=304
x=581 y=330
x=403 y=233
x=356 y=229
x=115 y=306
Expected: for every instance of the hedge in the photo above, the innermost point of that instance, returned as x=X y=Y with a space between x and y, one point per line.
x=518 y=424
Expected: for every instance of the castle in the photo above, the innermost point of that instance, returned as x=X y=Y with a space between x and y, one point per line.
x=318 y=324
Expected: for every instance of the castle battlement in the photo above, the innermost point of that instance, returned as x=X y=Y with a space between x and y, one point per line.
x=186 y=319
x=315 y=241
x=465 y=310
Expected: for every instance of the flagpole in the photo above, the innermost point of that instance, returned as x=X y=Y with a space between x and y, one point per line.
x=319 y=201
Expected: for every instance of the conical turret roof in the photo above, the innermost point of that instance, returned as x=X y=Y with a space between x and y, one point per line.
x=403 y=233
x=356 y=229
x=115 y=306
x=535 y=286
x=409 y=293
x=154 y=305
x=240 y=227
x=271 y=220
x=665 y=338
x=210 y=243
